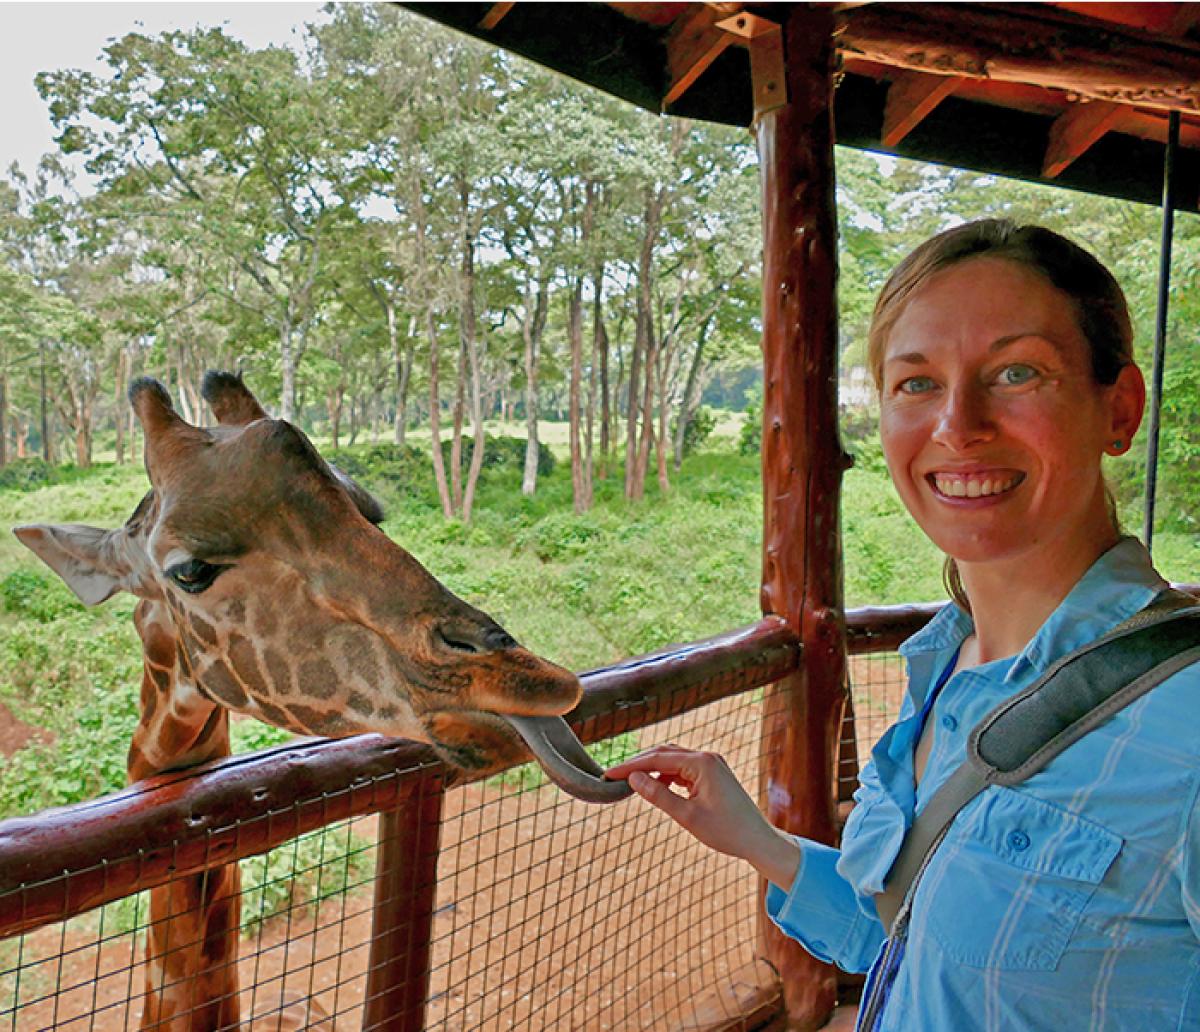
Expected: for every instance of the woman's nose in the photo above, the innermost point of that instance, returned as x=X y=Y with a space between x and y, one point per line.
x=963 y=420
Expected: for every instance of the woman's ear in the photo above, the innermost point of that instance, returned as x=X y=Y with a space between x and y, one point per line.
x=1126 y=405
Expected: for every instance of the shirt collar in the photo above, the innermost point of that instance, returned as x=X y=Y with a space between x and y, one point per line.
x=1118 y=584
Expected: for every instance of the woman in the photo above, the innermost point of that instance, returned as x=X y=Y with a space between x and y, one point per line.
x=1004 y=363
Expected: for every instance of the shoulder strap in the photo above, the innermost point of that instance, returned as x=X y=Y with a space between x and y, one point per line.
x=1023 y=734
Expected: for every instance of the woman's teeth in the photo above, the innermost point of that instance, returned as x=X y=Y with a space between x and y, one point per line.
x=975 y=487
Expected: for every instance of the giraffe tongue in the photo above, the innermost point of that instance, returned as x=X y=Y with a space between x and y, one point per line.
x=565 y=760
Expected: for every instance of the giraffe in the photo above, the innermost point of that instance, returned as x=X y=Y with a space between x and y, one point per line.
x=265 y=587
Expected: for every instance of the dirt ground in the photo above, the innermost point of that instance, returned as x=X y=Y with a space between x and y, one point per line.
x=15 y=734
x=550 y=914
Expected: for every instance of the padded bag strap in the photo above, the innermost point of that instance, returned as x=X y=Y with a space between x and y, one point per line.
x=1024 y=733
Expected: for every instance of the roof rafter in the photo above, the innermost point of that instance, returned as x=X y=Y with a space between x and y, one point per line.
x=911 y=97
x=1075 y=131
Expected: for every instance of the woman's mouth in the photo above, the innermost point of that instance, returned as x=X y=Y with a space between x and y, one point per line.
x=975 y=485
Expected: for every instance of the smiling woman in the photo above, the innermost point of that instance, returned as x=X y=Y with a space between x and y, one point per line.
x=1067 y=899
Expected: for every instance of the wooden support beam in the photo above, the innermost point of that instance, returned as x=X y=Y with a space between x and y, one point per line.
x=1074 y=131
x=402 y=918
x=910 y=98
x=1026 y=46
x=693 y=44
x=802 y=472
x=495 y=14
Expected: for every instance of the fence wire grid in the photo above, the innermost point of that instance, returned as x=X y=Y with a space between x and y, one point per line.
x=549 y=913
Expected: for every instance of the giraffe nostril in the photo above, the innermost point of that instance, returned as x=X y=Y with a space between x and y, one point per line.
x=497 y=639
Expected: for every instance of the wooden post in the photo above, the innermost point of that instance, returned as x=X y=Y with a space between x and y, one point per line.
x=405 y=887
x=802 y=469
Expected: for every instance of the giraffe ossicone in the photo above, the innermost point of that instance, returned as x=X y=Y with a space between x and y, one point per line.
x=266 y=588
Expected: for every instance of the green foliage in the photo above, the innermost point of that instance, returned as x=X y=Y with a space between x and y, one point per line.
x=750 y=438
x=503 y=453
x=406 y=468
x=26 y=474
x=292 y=881
x=699 y=428
x=39 y=596
x=248 y=735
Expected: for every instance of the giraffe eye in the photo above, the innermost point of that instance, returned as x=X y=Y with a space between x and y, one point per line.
x=195 y=575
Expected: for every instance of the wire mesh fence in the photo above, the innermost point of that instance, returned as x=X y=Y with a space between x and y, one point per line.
x=547 y=913
x=877 y=684
x=553 y=914
x=303 y=930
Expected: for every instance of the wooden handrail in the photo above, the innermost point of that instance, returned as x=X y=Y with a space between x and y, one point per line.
x=62 y=862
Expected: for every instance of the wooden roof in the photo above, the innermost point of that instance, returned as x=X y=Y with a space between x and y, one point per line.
x=1076 y=94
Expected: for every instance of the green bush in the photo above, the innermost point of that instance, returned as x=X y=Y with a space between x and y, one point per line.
x=300 y=874
x=750 y=438
x=39 y=596
x=403 y=467
x=26 y=474
x=501 y=453
x=699 y=428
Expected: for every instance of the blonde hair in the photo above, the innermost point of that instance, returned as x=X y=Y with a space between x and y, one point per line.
x=1097 y=298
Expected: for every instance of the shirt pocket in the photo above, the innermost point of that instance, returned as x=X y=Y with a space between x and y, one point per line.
x=1007 y=887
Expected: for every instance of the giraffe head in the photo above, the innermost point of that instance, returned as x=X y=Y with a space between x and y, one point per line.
x=275 y=594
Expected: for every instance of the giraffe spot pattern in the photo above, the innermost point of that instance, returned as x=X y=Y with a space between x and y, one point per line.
x=202 y=630
x=234 y=611
x=219 y=680
x=317 y=679
x=243 y=657
x=279 y=673
x=319 y=722
x=276 y=715
x=360 y=704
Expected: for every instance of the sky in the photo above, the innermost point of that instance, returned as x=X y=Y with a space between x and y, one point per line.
x=42 y=36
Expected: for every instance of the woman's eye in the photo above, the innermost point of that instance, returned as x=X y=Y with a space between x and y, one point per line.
x=195 y=575
x=1016 y=375
x=915 y=385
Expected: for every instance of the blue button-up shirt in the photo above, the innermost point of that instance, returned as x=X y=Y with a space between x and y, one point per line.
x=1071 y=901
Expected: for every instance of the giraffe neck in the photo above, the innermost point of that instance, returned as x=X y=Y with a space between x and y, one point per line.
x=191 y=980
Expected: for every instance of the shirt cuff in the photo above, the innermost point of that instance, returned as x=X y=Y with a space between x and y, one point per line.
x=822 y=912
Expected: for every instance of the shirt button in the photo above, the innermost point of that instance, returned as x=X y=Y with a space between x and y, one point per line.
x=1018 y=841
x=950 y=723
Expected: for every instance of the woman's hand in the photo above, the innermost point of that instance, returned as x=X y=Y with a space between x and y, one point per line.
x=716 y=809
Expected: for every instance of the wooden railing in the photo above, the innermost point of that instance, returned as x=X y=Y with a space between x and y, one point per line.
x=64 y=862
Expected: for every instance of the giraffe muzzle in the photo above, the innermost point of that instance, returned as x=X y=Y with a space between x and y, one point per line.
x=565 y=761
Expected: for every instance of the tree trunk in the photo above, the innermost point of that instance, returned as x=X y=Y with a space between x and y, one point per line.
x=646 y=440
x=460 y=386
x=664 y=417
x=334 y=402
x=470 y=348
x=287 y=372
x=119 y=403
x=575 y=335
x=404 y=364
x=600 y=365
x=435 y=425
x=690 y=402
x=532 y=327
x=3 y=418
x=642 y=357
x=47 y=444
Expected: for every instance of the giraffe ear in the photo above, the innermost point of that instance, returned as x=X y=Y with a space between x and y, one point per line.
x=84 y=557
x=230 y=399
